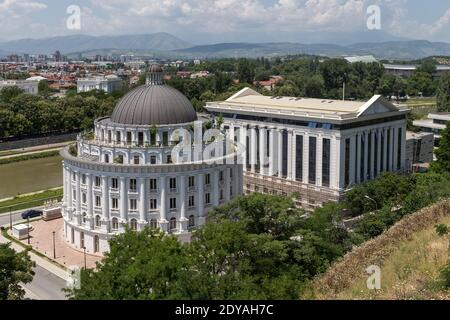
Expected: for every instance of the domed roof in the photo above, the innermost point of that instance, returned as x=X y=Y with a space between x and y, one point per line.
x=154 y=104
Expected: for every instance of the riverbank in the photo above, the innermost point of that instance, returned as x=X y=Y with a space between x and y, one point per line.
x=29 y=156
x=31 y=200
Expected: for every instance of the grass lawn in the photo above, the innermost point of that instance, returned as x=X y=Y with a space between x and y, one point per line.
x=30 y=201
x=40 y=155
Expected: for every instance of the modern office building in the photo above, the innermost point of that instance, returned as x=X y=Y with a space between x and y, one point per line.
x=419 y=150
x=436 y=123
x=318 y=148
x=406 y=71
x=107 y=84
x=125 y=174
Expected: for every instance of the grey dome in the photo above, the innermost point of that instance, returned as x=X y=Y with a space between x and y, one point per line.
x=154 y=104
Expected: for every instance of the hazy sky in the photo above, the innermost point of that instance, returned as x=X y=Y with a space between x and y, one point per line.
x=206 y=21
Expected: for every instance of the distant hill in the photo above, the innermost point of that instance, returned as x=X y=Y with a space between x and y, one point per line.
x=414 y=49
x=80 y=43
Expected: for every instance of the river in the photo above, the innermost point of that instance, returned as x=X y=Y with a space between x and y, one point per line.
x=30 y=176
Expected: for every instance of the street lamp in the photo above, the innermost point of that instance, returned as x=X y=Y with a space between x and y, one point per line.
x=84 y=250
x=376 y=205
x=54 y=246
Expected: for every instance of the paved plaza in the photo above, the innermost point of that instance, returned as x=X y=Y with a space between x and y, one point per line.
x=41 y=239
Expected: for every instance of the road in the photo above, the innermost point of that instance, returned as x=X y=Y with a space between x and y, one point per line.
x=16 y=216
x=45 y=285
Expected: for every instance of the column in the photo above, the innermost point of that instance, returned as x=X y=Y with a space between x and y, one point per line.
x=353 y=159
x=289 y=156
x=253 y=150
x=230 y=145
x=379 y=159
x=201 y=198
x=123 y=200
x=341 y=163
x=335 y=163
x=163 y=223
x=243 y=141
x=105 y=203
x=262 y=150
x=366 y=154
x=358 y=158
x=372 y=155
x=142 y=202
x=280 y=153
x=90 y=201
x=183 y=219
x=395 y=147
x=403 y=151
x=215 y=188
x=78 y=192
x=319 y=152
x=272 y=148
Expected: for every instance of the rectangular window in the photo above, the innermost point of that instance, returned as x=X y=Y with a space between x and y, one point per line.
x=74 y=195
x=173 y=203
x=169 y=159
x=133 y=204
x=74 y=177
x=285 y=154
x=141 y=138
x=207 y=198
x=153 y=185
x=98 y=181
x=312 y=160
x=191 y=181
x=114 y=183
x=221 y=194
x=83 y=179
x=115 y=203
x=375 y=169
x=389 y=151
x=347 y=163
x=129 y=137
x=299 y=158
x=369 y=155
x=326 y=163
x=173 y=183
x=133 y=185
x=152 y=159
x=363 y=156
x=191 y=201
x=356 y=157
x=106 y=158
x=220 y=175
x=207 y=179
x=136 y=159
x=98 y=202
x=165 y=138
x=83 y=198
x=153 y=204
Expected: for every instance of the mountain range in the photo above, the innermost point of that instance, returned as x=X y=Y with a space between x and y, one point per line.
x=165 y=45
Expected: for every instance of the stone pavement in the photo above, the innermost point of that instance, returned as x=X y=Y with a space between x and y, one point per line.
x=41 y=239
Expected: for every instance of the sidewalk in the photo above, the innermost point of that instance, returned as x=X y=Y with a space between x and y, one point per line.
x=37 y=149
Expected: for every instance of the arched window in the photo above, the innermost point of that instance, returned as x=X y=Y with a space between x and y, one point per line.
x=173 y=224
x=133 y=224
x=191 y=221
x=115 y=224
x=98 y=221
x=153 y=224
x=96 y=244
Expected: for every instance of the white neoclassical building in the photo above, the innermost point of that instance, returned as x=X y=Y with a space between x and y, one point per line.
x=318 y=148
x=125 y=174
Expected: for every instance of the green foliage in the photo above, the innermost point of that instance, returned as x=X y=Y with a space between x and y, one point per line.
x=443 y=93
x=15 y=268
x=442 y=164
x=73 y=150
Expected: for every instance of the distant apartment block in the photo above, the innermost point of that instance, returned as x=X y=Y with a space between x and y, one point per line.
x=407 y=71
x=435 y=124
x=317 y=148
x=107 y=84
x=28 y=86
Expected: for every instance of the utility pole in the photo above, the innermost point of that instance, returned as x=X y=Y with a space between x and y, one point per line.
x=85 y=265
x=54 y=246
x=28 y=228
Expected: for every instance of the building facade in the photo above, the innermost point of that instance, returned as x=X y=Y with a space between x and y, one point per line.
x=436 y=123
x=28 y=86
x=107 y=84
x=124 y=174
x=315 y=148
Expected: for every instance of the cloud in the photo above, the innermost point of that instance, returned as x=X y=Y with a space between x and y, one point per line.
x=17 y=15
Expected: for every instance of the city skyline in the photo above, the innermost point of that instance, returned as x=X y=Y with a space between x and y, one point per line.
x=202 y=21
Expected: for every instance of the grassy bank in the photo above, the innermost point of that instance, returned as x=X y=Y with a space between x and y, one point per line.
x=40 y=155
x=410 y=255
x=30 y=201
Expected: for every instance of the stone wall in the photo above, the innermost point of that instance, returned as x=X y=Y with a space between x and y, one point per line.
x=36 y=141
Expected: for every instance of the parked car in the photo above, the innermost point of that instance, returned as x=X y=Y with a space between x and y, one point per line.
x=31 y=214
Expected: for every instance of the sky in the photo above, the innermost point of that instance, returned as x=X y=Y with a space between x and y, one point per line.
x=214 y=21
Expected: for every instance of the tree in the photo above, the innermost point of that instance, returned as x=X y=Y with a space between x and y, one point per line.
x=442 y=164
x=15 y=268
x=443 y=93
x=245 y=71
